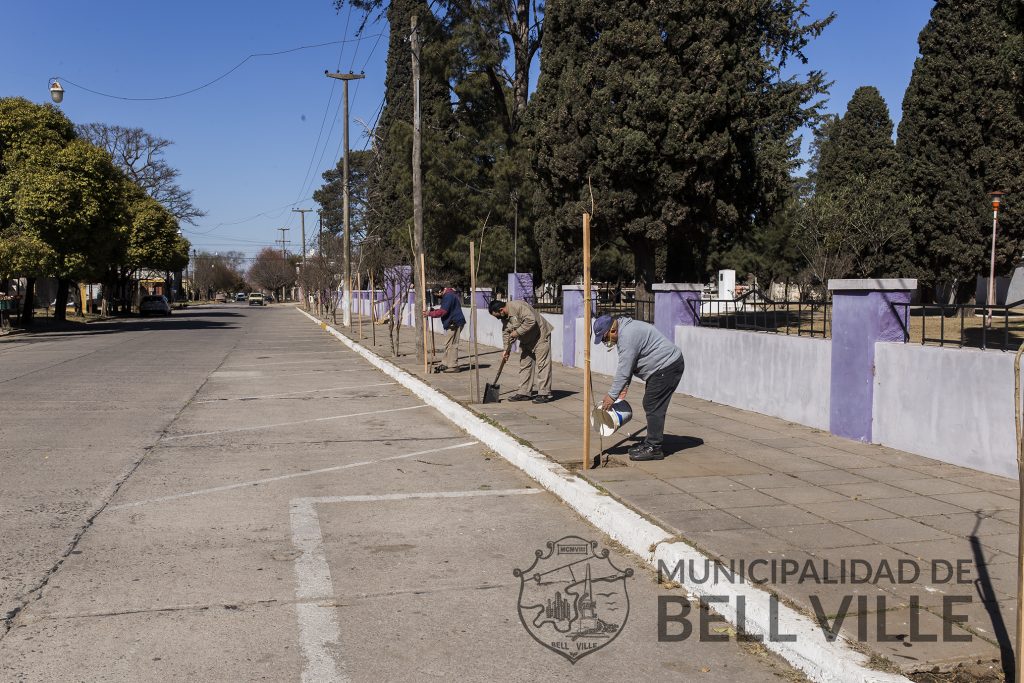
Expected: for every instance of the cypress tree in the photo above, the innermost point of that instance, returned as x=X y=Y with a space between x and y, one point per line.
x=857 y=170
x=961 y=137
x=678 y=115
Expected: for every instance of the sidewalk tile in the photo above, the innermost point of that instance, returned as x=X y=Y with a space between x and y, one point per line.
x=776 y=515
x=769 y=480
x=868 y=490
x=640 y=487
x=846 y=510
x=815 y=537
x=729 y=500
x=934 y=487
x=805 y=494
x=686 y=521
x=705 y=484
x=886 y=474
x=917 y=505
x=966 y=523
x=981 y=501
x=899 y=530
x=832 y=477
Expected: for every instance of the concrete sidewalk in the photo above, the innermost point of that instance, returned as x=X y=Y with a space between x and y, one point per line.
x=764 y=494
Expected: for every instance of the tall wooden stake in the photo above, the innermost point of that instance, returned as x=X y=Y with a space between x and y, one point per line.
x=475 y=383
x=587 y=400
x=359 y=309
x=373 y=311
x=423 y=307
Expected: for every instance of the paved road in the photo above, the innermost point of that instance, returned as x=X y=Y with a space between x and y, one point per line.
x=231 y=494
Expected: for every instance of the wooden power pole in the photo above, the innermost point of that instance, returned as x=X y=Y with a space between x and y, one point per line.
x=302 y=290
x=417 y=181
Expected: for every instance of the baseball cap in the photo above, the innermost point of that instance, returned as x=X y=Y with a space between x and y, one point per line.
x=601 y=327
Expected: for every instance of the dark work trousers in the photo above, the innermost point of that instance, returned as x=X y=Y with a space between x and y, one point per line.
x=657 y=397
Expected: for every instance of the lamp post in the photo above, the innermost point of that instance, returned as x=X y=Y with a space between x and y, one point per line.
x=56 y=92
x=346 y=318
x=997 y=198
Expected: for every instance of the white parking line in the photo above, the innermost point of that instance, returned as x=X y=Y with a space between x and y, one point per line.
x=286 y=362
x=289 y=424
x=319 y=633
x=291 y=393
x=268 y=480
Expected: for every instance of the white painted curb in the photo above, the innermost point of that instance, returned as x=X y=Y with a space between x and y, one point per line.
x=811 y=652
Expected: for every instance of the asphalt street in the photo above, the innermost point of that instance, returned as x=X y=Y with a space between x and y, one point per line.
x=230 y=494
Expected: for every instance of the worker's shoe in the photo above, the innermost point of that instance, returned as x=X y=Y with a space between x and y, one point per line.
x=440 y=368
x=519 y=397
x=452 y=370
x=543 y=398
x=646 y=451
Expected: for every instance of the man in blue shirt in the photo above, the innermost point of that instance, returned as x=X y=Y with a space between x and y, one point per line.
x=452 y=319
x=646 y=353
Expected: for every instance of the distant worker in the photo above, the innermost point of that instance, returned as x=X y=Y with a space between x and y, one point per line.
x=646 y=353
x=520 y=322
x=452 y=319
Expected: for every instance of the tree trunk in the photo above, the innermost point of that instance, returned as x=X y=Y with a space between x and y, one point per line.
x=60 y=307
x=28 y=304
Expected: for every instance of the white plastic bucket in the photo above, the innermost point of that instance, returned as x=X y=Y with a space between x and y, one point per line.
x=607 y=422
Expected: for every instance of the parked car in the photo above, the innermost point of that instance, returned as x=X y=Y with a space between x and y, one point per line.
x=154 y=304
x=256 y=299
x=240 y=296
x=221 y=298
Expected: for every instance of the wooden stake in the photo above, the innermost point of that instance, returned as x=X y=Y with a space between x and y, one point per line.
x=373 y=311
x=587 y=400
x=475 y=379
x=359 y=288
x=423 y=307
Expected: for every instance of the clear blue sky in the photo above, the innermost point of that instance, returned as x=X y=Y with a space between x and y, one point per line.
x=253 y=145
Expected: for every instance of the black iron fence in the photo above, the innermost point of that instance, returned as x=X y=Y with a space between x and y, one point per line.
x=962 y=325
x=755 y=313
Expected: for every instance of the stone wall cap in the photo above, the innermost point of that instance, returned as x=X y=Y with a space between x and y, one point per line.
x=883 y=285
x=678 y=287
x=576 y=288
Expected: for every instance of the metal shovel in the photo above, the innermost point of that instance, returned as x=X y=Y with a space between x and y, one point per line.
x=493 y=391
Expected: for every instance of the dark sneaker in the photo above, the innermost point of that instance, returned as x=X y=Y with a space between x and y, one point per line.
x=519 y=397
x=637 y=448
x=542 y=398
x=452 y=370
x=440 y=368
x=647 y=452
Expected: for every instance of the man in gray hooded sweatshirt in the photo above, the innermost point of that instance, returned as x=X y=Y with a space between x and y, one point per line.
x=646 y=353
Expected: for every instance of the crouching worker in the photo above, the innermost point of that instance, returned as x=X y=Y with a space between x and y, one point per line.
x=519 y=322
x=646 y=353
x=452 y=319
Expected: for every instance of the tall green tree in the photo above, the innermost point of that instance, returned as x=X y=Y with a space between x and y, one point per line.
x=73 y=200
x=961 y=137
x=27 y=131
x=857 y=174
x=679 y=116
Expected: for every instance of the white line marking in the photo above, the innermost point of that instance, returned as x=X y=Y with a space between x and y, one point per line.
x=289 y=424
x=286 y=362
x=257 y=482
x=259 y=375
x=304 y=391
x=319 y=632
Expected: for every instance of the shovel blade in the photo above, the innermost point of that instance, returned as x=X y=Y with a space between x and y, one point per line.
x=492 y=393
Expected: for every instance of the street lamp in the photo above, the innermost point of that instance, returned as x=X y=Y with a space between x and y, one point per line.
x=56 y=92
x=997 y=199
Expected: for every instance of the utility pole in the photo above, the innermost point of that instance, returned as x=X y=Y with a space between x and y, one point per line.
x=302 y=289
x=283 y=242
x=320 y=233
x=417 y=174
x=347 y=298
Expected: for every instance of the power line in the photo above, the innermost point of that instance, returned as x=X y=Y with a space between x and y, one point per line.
x=208 y=83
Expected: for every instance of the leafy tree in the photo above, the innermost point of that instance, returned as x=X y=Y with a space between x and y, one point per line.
x=857 y=174
x=678 y=114
x=271 y=270
x=73 y=200
x=140 y=156
x=961 y=135
x=27 y=131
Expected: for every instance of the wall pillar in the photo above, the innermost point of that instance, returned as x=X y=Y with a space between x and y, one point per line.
x=572 y=310
x=520 y=287
x=676 y=304
x=862 y=314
